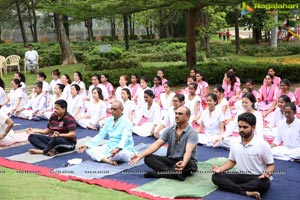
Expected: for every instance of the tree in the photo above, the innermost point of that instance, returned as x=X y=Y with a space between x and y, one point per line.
x=21 y=23
x=66 y=51
x=31 y=5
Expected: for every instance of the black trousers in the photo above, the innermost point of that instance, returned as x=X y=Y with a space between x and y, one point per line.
x=46 y=143
x=240 y=183
x=165 y=167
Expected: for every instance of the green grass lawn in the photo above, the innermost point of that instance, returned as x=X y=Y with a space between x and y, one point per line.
x=31 y=78
x=18 y=186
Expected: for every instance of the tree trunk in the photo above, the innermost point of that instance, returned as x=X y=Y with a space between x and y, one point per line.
x=89 y=25
x=66 y=26
x=172 y=30
x=237 y=32
x=207 y=46
x=66 y=51
x=126 y=37
x=148 y=32
x=34 y=25
x=113 y=29
x=190 y=37
x=162 y=33
x=131 y=26
x=257 y=35
x=274 y=32
x=21 y=23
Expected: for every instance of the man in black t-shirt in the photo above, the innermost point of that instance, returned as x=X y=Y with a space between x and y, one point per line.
x=58 y=137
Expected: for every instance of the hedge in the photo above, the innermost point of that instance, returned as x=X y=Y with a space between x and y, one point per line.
x=213 y=72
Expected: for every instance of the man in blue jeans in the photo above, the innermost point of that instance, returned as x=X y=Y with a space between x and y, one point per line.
x=58 y=137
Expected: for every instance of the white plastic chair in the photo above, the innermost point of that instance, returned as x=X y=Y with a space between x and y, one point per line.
x=13 y=60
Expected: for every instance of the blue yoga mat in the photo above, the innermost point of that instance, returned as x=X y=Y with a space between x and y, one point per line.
x=91 y=169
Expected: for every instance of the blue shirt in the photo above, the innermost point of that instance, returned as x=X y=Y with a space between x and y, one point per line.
x=120 y=134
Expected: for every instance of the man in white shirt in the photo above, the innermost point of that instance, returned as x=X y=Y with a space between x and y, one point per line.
x=253 y=159
x=31 y=58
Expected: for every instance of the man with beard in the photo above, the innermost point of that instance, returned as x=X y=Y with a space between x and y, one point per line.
x=181 y=158
x=253 y=159
x=58 y=137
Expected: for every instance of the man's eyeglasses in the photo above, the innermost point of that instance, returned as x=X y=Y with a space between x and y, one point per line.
x=114 y=109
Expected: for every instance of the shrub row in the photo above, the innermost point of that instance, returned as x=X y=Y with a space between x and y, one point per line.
x=95 y=63
x=162 y=57
x=213 y=72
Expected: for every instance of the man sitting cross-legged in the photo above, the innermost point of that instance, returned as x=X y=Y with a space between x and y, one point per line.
x=120 y=146
x=254 y=161
x=58 y=137
x=181 y=159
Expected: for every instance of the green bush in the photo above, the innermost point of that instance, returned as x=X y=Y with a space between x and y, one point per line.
x=213 y=72
x=99 y=63
x=162 y=57
x=50 y=58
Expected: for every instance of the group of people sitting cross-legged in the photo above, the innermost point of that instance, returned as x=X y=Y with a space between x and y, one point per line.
x=252 y=177
x=238 y=119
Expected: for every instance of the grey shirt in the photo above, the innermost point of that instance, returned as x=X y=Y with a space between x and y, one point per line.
x=176 y=147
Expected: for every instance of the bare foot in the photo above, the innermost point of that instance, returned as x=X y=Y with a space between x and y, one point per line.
x=253 y=194
x=35 y=151
x=115 y=163
x=51 y=153
x=108 y=161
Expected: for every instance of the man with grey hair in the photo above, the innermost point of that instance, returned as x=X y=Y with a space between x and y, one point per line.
x=181 y=158
x=120 y=146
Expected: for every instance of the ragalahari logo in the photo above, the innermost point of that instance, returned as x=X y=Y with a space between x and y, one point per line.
x=246 y=8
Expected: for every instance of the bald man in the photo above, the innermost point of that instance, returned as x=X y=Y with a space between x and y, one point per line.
x=181 y=158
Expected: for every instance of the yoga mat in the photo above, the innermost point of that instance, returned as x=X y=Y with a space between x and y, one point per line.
x=10 y=140
x=91 y=169
x=29 y=158
x=197 y=185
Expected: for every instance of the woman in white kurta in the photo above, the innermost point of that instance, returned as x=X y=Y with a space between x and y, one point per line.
x=288 y=133
x=166 y=98
x=95 y=116
x=21 y=77
x=248 y=102
x=123 y=84
x=58 y=94
x=41 y=77
x=96 y=83
x=14 y=99
x=139 y=96
x=212 y=120
x=55 y=79
x=75 y=102
x=169 y=116
x=35 y=105
x=79 y=81
x=193 y=102
x=223 y=104
x=66 y=81
x=151 y=111
x=278 y=115
x=129 y=106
